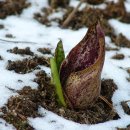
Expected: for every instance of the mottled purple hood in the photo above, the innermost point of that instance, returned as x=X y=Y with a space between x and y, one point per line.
x=83 y=66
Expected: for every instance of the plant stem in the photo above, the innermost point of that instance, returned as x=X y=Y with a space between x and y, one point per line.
x=71 y=15
x=56 y=81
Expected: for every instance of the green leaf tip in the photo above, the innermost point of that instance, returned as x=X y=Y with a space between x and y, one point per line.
x=55 y=68
x=59 y=54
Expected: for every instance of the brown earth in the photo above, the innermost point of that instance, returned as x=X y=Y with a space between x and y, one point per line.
x=12 y=7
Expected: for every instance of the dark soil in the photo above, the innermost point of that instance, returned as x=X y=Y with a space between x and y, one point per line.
x=12 y=7
x=9 y=36
x=126 y=107
x=128 y=128
x=107 y=48
x=1 y=26
x=1 y=58
x=28 y=64
x=115 y=10
x=121 y=41
x=44 y=50
x=128 y=79
x=58 y=3
x=43 y=17
x=128 y=70
x=25 y=51
x=19 y=121
x=118 y=57
x=95 y=2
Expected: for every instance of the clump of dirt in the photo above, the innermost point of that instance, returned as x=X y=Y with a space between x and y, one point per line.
x=42 y=18
x=128 y=128
x=28 y=64
x=25 y=51
x=17 y=120
x=9 y=36
x=126 y=107
x=25 y=106
x=1 y=26
x=107 y=88
x=108 y=48
x=1 y=58
x=82 y=18
x=95 y=2
x=121 y=41
x=128 y=70
x=115 y=10
x=126 y=18
x=128 y=79
x=10 y=7
x=58 y=3
x=118 y=57
x=44 y=50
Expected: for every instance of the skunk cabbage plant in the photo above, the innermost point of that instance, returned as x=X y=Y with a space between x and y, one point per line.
x=80 y=71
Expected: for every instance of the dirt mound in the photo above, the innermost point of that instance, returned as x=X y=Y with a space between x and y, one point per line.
x=25 y=51
x=10 y=7
x=28 y=64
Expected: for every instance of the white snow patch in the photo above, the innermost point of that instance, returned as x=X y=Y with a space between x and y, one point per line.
x=5 y=126
x=120 y=27
x=36 y=6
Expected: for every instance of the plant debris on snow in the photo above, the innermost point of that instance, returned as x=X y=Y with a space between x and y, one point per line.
x=10 y=7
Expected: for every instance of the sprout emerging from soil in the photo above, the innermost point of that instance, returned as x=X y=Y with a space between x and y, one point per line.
x=80 y=71
x=55 y=67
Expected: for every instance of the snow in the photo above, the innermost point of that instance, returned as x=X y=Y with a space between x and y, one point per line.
x=127 y=5
x=120 y=27
x=5 y=126
x=53 y=122
x=25 y=28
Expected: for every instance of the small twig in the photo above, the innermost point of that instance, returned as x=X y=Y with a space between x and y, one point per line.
x=17 y=106
x=11 y=89
x=106 y=101
x=71 y=15
x=22 y=116
x=17 y=41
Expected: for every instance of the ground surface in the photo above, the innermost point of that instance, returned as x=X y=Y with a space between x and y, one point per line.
x=29 y=32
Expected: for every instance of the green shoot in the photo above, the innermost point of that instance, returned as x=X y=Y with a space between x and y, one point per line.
x=59 y=54
x=55 y=68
